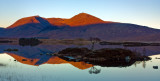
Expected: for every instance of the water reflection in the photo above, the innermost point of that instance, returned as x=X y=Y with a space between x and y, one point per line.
x=2 y=65
x=27 y=64
x=94 y=70
x=50 y=60
x=91 y=69
x=39 y=55
x=155 y=67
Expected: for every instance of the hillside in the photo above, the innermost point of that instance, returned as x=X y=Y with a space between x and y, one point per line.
x=82 y=25
x=57 y=21
x=26 y=27
x=112 y=31
x=30 y=20
x=83 y=19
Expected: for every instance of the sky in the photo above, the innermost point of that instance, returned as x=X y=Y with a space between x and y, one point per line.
x=141 y=12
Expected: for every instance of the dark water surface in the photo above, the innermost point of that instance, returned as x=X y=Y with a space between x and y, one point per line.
x=27 y=64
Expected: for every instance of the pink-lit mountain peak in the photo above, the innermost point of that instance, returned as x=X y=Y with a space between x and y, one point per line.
x=28 y=20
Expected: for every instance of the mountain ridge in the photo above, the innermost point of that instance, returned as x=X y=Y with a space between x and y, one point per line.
x=77 y=20
x=29 y=20
x=82 y=25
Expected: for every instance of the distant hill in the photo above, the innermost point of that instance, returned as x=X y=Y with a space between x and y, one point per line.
x=26 y=27
x=112 y=31
x=57 y=21
x=81 y=19
x=30 y=20
x=2 y=31
x=82 y=25
x=1 y=28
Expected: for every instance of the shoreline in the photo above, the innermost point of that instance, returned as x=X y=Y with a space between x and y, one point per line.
x=15 y=41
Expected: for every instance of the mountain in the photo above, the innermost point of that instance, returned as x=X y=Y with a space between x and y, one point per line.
x=82 y=25
x=81 y=19
x=106 y=31
x=1 y=28
x=26 y=27
x=57 y=21
x=30 y=20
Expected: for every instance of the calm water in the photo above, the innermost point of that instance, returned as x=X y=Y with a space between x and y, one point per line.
x=28 y=65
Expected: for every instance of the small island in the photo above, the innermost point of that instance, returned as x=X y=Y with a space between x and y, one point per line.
x=103 y=57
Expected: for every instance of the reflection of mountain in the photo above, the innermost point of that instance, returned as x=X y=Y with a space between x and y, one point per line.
x=33 y=57
x=20 y=59
x=80 y=26
x=34 y=52
x=80 y=65
x=51 y=60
